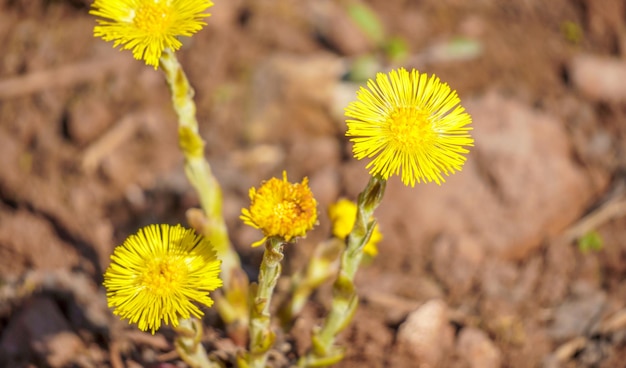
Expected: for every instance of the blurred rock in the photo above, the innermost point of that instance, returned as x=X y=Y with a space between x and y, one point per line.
x=599 y=78
x=477 y=349
x=426 y=334
x=517 y=150
x=40 y=328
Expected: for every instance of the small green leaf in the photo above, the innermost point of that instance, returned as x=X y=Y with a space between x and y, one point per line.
x=368 y=21
x=591 y=241
x=396 y=49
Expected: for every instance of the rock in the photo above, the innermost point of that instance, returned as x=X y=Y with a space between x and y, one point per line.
x=477 y=349
x=599 y=78
x=517 y=149
x=426 y=334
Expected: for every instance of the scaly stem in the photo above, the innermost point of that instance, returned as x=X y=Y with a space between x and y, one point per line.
x=188 y=344
x=345 y=299
x=261 y=335
x=201 y=178
x=196 y=167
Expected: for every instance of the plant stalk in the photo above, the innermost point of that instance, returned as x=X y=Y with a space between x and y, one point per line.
x=345 y=299
x=261 y=335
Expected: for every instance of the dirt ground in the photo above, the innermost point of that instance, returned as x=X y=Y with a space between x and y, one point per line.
x=517 y=261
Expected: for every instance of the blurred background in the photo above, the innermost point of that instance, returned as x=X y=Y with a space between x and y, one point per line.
x=517 y=261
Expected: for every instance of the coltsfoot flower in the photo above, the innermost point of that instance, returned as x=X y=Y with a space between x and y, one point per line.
x=158 y=273
x=147 y=27
x=280 y=208
x=410 y=123
x=342 y=214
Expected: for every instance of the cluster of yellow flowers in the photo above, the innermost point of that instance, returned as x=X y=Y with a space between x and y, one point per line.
x=407 y=123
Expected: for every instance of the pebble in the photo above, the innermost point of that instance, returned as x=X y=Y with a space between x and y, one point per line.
x=599 y=78
x=477 y=349
x=427 y=334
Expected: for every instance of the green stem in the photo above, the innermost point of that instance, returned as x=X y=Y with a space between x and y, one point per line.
x=200 y=176
x=188 y=344
x=196 y=167
x=345 y=299
x=261 y=335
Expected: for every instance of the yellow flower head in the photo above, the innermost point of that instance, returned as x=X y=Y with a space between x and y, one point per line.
x=411 y=123
x=158 y=273
x=342 y=214
x=148 y=26
x=280 y=208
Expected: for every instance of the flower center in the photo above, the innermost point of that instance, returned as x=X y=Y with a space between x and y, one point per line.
x=287 y=210
x=409 y=127
x=153 y=16
x=164 y=276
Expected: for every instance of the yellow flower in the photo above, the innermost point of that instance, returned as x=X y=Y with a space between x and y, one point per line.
x=148 y=26
x=158 y=273
x=411 y=123
x=281 y=209
x=342 y=214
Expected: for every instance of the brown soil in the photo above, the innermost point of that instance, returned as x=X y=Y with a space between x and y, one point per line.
x=88 y=154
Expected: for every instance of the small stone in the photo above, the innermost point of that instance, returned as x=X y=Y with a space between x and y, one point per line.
x=426 y=334
x=478 y=350
x=599 y=78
